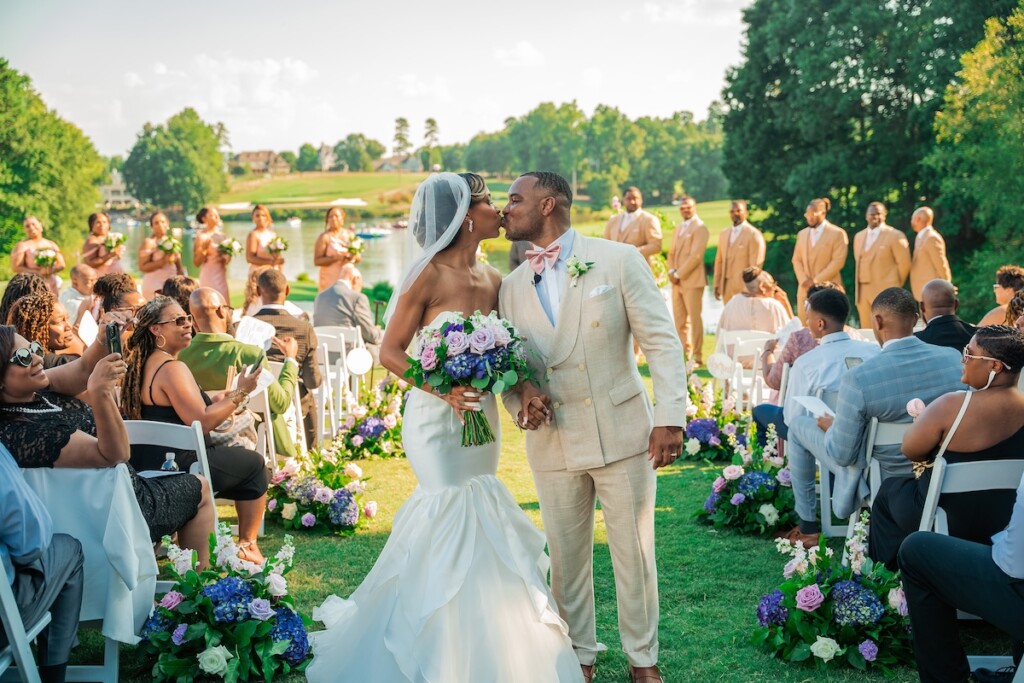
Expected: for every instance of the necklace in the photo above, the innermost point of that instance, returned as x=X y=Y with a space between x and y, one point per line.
x=50 y=407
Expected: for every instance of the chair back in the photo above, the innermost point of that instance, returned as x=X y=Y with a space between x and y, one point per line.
x=19 y=635
x=352 y=336
x=300 y=431
x=881 y=434
x=260 y=404
x=784 y=383
x=829 y=398
x=964 y=477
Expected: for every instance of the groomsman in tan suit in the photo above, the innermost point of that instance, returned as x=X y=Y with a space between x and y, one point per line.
x=740 y=247
x=929 y=261
x=882 y=254
x=635 y=226
x=686 y=272
x=578 y=330
x=820 y=253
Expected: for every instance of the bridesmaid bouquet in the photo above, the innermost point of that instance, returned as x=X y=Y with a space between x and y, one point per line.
x=46 y=257
x=114 y=240
x=230 y=247
x=169 y=245
x=355 y=246
x=481 y=351
x=277 y=245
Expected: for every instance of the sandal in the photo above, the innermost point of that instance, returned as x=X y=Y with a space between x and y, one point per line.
x=250 y=552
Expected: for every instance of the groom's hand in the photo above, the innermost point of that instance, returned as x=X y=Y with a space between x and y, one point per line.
x=536 y=410
x=665 y=445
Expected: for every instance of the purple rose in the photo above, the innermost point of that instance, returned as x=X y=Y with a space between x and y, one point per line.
x=868 y=650
x=260 y=609
x=714 y=441
x=428 y=359
x=457 y=342
x=323 y=495
x=737 y=499
x=719 y=485
x=357 y=441
x=178 y=637
x=481 y=340
x=501 y=335
x=784 y=477
x=171 y=600
x=809 y=598
x=390 y=421
x=272 y=505
x=308 y=519
x=729 y=428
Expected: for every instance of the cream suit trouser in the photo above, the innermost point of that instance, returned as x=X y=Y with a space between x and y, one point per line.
x=687 y=305
x=626 y=490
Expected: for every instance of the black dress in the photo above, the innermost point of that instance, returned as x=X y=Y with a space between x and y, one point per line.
x=36 y=440
x=976 y=516
x=236 y=473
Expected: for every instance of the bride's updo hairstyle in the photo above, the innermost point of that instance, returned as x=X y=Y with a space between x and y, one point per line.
x=1004 y=343
x=477 y=187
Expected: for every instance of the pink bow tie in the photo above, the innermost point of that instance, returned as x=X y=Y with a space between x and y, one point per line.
x=543 y=259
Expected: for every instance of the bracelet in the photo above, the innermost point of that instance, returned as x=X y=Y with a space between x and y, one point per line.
x=238 y=396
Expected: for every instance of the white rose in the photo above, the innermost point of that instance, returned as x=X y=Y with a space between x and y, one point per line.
x=214 y=660
x=277 y=585
x=353 y=471
x=825 y=649
x=770 y=514
x=289 y=510
x=693 y=446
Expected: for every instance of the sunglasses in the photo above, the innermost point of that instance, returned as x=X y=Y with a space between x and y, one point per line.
x=968 y=356
x=23 y=356
x=180 y=321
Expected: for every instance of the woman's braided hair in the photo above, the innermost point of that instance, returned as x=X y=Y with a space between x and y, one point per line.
x=111 y=287
x=21 y=285
x=1004 y=343
x=31 y=315
x=140 y=345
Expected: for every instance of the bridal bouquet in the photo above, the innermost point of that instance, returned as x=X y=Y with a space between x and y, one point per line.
x=169 y=245
x=481 y=351
x=234 y=620
x=230 y=247
x=46 y=257
x=114 y=240
x=832 y=614
x=277 y=245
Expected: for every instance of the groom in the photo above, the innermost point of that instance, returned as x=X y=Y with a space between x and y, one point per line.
x=579 y=302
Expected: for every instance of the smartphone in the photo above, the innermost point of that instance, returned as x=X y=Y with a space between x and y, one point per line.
x=114 y=338
x=257 y=364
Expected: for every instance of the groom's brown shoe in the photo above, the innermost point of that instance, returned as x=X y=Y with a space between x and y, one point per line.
x=646 y=674
x=588 y=672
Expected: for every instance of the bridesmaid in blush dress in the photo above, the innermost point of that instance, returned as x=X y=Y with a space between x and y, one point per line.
x=211 y=261
x=95 y=254
x=331 y=249
x=23 y=256
x=157 y=265
x=256 y=253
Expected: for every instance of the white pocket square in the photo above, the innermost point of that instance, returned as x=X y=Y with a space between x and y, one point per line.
x=599 y=290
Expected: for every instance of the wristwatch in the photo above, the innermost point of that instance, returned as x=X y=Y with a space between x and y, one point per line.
x=240 y=398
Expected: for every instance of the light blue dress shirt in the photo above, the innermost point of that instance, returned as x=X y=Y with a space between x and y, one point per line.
x=1008 y=544
x=25 y=525
x=823 y=368
x=552 y=283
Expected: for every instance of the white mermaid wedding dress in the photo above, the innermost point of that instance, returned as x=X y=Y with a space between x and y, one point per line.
x=459 y=593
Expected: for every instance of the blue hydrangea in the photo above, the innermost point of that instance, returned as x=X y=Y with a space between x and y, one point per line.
x=711 y=502
x=755 y=480
x=371 y=428
x=157 y=623
x=770 y=610
x=289 y=627
x=702 y=429
x=854 y=605
x=460 y=367
x=230 y=597
x=344 y=511
x=302 y=489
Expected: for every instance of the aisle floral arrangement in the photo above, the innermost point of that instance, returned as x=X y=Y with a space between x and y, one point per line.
x=711 y=420
x=320 y=492
x=234 y=620
x=854 y=615
x=373 y=429
x=754 y=494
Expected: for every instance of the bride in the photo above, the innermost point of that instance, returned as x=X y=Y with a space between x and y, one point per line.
x=459 y=593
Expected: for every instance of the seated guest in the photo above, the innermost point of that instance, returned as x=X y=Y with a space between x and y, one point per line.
x=1009 y=281
x=822 y=367
x=757 y=309
x=19 y=286
x=44 y=426
x=942 y=574
x=1015 y=309
x=117 y=293
x=991 y=428
x=179 y=288
x=42 y=319
x=252 y=303
x=938 y=309
x=44 y=568
x=213 y=351
x=157 y=386
x=273 y=288
x=879 y=387
x=80 y=292
x=345 y=305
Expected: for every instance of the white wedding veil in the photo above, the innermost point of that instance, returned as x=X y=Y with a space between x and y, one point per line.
x=438 y=211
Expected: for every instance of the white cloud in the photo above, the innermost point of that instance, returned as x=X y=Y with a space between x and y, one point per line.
x=689 y=12
x=522 y=53
x=133 y=80
x=593 y=76
x=160 y=68
x=412 y=86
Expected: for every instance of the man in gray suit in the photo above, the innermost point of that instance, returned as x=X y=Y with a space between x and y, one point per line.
x=344 y=304
x=879 y=387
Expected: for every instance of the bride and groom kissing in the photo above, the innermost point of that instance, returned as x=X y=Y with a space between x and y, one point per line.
x=459 y=592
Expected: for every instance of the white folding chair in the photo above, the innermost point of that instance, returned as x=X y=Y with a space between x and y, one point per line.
x=19 y=635
x=299 y=429
x=749 y=384
x=259 y=404
x=334 y=341
x=352 y=337
x=327 y=419
x=832 y=530
x=784 y=383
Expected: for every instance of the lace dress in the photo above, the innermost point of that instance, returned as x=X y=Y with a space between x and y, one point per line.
x=36 y=440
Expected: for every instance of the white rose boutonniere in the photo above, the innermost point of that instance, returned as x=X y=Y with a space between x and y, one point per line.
x=576 y=268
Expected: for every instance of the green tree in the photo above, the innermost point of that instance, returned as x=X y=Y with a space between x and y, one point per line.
x=309 y=158
x=290 y=157
x=614 y=144
x=402 y=143
x=489 y=153
x=358 y=152
x=178 y=163
x=453 y=157
x=548 y=138
x=48 y=168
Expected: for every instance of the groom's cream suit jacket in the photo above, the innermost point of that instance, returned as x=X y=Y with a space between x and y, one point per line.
x=585 y=362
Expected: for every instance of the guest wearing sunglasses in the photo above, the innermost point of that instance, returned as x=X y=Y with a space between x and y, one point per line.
x=991 y=428
x=42 y=319
x=159 y=387
x=43 y=425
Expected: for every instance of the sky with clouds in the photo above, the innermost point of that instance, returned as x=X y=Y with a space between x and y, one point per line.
x=278 y=74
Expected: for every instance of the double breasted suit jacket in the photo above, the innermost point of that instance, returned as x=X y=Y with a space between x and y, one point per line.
x=643 y=232
x=929 y=262
x=732 y=259
x=687 y=254
x=585 y=361
x=821 y=262
x=886 y=264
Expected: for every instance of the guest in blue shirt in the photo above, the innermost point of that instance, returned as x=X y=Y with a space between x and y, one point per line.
x=942 y=574
x=45 y=569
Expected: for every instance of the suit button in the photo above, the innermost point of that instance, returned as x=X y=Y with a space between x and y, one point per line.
x=556 y=404
x=595 y=324
x=587 y=402
x=550 y=370
x=582 y=366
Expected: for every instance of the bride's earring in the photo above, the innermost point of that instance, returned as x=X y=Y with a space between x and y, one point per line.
x=471 y=225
